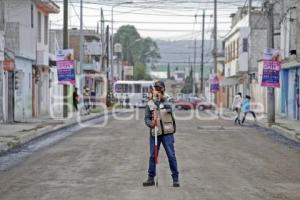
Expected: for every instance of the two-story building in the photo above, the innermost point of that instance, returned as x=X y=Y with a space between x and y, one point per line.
x=93 y=71
x=244 y=46
x=26 y=38
x=41 y=68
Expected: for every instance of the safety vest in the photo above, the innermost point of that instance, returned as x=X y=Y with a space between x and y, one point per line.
x=166 y=124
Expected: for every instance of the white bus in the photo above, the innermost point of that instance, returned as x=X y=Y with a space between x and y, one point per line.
x=135 y=90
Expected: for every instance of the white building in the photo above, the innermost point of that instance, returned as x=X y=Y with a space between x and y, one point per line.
x=26 y=37
x=56 y=90
x=244 y=46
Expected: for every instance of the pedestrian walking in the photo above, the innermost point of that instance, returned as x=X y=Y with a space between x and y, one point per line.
x=236 y=106
x=75 y=99
x=86 y=99
x=246 y=108
x=93 y=99
x=127 y=101
x=159 y=113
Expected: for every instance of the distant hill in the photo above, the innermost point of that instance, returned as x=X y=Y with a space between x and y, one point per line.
x=180 y=55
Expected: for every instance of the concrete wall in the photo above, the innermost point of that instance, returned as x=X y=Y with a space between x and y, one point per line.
x=56 y=94
x=41 y=46
x=244 y=56
x=23 y=96
x=258 y=44
x=20 y=11
x=290 y=29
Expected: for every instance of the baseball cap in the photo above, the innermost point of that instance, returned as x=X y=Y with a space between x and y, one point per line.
x=159 y=84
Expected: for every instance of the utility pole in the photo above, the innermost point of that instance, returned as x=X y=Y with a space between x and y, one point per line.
x=107 y=67
x=215 y=42
x=102 y=40
x=249 y=11
x=247 y=82
x=269 y=6
x=2 y=29
x=202 y=53
x=195 y=59
x=81 y=49
x=112 y=45
x=215 y=37
x=65 y=46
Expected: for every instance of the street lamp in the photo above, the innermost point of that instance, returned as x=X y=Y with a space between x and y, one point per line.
x=112 y=33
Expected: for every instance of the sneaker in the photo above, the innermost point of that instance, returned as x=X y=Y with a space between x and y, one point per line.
x=149 y=182
x=176 y=184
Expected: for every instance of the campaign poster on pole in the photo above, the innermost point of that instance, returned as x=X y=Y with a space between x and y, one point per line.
x=214 y=83
x=65 y=66
x=271 y=68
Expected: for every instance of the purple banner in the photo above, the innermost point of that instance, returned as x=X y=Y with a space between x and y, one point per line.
x=214 y=83
x=271 y=68
x=270 y=77
x=65 y=66
x=66 y=72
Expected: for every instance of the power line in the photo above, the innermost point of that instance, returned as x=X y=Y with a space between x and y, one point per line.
x=156 y=22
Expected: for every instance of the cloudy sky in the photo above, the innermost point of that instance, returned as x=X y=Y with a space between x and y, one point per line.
x=159 y=19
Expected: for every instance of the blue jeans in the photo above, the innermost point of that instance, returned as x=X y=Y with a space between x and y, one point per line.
x=168 y=143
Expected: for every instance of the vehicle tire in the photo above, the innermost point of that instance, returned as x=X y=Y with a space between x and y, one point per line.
x=201 y=108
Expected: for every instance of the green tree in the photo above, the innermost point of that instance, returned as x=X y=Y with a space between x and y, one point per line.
x=139 y=72
x=136 y=49
x=127 y=37
x=188 y=84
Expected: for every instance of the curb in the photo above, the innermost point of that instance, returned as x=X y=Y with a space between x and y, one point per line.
x=290 y=134
x=34 y=135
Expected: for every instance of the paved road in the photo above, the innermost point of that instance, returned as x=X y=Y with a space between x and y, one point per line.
x=217 y=160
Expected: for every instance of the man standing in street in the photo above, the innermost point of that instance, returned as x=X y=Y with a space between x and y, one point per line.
x=157 y=106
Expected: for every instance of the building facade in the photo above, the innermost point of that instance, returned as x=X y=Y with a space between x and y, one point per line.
x=244 y=46
x=94 y=75
x=290 y=48
x=26 y=41
x=41 y=69
x=56 y=90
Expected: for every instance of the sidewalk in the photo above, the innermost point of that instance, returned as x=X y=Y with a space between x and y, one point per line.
x=14 y=134
x=288 y=128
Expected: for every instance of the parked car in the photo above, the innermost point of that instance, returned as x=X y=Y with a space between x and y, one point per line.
x=193 y=103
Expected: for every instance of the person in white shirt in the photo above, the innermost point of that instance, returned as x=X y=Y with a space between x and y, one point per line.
x=236 y=106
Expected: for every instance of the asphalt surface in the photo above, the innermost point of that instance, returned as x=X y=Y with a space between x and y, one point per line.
x=216 y=159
